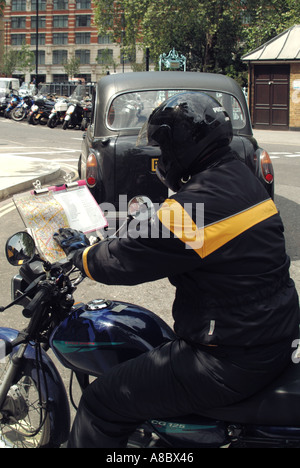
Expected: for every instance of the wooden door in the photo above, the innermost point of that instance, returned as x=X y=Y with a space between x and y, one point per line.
x=271 y=97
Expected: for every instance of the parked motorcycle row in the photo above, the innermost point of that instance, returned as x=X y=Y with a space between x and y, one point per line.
x=51 y=110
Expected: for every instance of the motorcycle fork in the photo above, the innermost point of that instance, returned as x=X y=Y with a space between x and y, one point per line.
x=10 y=375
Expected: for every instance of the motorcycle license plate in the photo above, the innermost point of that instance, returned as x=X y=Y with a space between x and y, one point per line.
x=154 y=162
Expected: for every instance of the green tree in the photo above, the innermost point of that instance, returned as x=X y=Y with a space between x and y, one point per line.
x=25 y=59
x=18 y=60
x=10 y=61
x=2 y=5
x=212 y=34
x=267 y=19
x=107 y=61
x=72 y=66
x=205 y=31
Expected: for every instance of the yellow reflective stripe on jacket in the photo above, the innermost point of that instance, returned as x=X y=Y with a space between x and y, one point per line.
x=173 y=216
x=207 y=240
x=85 y=262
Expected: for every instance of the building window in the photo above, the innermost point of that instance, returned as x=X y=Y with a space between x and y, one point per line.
x=59 y=57
x=42 y=22
x=83 y=56
x=128 y=57
x=60 y=21
x=60 y=4
x=41 y=57
x=83 y=38
x=59 y=79
x=41 y=5
x=60 y=38
x=83 y=21
x=107 y=39
x=105 y=57
x=18 y=22
x=18 y=39
x=83 y=4
x=18 y=5
x=41 y=39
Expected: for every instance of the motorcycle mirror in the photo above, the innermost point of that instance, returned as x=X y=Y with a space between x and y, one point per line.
x=20 y=248
x=141 y=208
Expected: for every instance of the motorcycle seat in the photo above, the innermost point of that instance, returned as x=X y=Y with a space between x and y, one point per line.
x=278 y=404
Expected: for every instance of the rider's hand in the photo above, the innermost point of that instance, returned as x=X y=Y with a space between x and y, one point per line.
x=70 y=240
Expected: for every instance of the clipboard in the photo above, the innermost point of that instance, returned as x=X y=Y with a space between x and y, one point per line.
x=44 y=211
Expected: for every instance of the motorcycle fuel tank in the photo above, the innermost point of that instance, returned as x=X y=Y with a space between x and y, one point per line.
x=101 y=334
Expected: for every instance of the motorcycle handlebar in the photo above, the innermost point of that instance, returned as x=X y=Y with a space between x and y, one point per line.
x=41 y=296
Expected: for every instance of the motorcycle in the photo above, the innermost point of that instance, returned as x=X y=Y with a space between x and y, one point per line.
x=21 y=111
x=14 y=101
x=86 y=118
x=88 y=339
x=4 y=100
x=78 y=114
x=58 y=113
x=40 y=110
x=74 y=115
x=79 y=109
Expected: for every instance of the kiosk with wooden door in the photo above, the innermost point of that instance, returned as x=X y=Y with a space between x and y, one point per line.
x=274 y=75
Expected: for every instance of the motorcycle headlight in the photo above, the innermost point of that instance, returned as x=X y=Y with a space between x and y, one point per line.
x=70 y=109
x=34 y=108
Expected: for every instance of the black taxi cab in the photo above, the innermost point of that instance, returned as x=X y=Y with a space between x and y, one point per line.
x=111 y=162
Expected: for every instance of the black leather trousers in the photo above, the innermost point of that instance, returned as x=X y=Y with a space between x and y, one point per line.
x=172 y=380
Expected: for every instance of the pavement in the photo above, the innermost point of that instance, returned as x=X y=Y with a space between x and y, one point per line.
x=18 y=173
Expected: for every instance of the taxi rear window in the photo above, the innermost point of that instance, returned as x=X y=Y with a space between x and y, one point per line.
x=131 y=110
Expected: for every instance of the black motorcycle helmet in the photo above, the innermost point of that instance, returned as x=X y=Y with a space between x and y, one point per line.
x=189 y=128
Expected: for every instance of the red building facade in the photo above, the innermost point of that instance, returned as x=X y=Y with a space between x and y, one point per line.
x=65 y=30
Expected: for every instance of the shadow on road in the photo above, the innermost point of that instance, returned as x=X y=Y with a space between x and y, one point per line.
x=290 y=214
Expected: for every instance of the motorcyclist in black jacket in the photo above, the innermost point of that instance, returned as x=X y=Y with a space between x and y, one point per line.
x=236 y=310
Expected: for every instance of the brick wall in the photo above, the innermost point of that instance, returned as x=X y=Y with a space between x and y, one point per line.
x=2 y=32
x=295 y=96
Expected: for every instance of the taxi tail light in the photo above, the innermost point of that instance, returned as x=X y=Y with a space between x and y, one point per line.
x=266 y=167
x=91 y=170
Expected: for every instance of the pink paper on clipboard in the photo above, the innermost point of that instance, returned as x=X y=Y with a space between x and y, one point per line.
x=81 y=209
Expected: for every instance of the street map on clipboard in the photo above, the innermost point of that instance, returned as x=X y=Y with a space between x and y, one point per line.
x=45 y=211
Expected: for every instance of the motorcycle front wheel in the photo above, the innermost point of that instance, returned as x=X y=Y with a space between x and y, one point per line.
x=24 y=422
x=32 y=119
x=65 y=125
x=52 y=122
x=18 y=114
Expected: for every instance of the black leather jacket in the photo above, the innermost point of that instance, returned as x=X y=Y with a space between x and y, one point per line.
x=231 y=272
